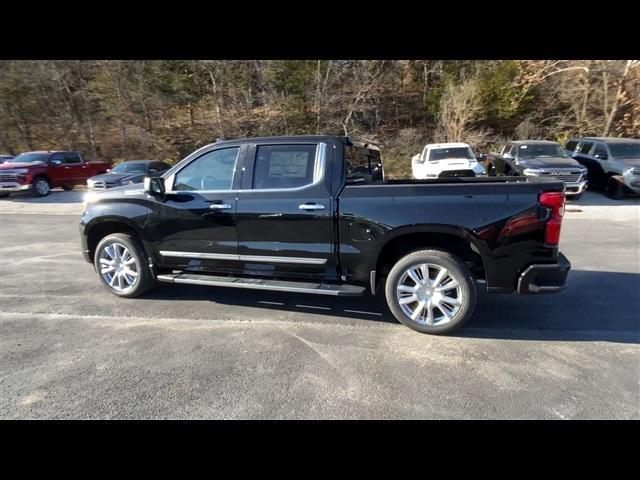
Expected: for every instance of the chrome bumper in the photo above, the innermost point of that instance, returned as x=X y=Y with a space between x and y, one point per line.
x=575 y=188
x=13 y=187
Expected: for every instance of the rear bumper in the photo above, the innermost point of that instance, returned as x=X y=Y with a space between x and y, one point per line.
x=13 y=187
x=545 y=278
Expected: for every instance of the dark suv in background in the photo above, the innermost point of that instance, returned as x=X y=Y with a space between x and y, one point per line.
x=613 y=163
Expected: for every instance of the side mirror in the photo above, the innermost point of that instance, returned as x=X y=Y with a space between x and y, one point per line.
x=56 y=162
x=154 y=185
x=601 y=157
x=153 y=170
x=416 y=158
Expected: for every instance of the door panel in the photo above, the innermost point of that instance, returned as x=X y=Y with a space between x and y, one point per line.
x=284 y=216
x=194 y=225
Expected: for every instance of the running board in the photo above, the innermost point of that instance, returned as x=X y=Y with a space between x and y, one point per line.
x=260 y=284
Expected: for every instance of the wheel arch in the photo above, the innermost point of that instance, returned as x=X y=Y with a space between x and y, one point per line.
x=455 y=240
x=99 y=229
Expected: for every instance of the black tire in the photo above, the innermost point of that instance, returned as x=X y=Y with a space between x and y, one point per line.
x=68 y=188
x=491 y=170
x=144 y=281
x=41 y=187
x=614 y=189
x=457 y=269
x=5 y=194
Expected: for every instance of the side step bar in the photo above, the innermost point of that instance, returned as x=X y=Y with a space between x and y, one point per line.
x=260 y=284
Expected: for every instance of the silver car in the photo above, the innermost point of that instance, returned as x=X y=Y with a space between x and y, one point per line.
x=613 y=163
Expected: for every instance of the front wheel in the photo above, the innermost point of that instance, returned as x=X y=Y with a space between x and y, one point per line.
x=122 y=266
x=431 y=291
x=41 y=186
x=614 y=189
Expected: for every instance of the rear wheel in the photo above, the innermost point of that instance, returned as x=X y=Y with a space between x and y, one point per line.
x=41 y=186
x=614 y=189
x=122 y=266
x=431 y=291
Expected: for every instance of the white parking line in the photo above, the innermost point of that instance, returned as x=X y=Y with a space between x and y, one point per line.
x=365 y=313
x=312 y=306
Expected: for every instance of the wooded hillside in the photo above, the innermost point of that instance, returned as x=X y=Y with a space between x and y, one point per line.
x=166 y=109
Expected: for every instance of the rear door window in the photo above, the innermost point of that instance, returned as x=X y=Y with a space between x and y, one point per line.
x=71 y=157
x=585 y=147
x=571 y=145
x=284 y=166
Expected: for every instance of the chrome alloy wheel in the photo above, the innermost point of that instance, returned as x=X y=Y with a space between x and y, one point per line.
x=42 y=186
x=118 y=267
x=429 y=294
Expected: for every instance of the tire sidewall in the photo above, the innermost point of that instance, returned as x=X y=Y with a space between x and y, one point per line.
x=144 y=281
x=451 y=263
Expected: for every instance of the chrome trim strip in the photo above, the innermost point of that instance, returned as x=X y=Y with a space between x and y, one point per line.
x=206 y=256
x=303 y=260
x=249 y=285
x=244 y=258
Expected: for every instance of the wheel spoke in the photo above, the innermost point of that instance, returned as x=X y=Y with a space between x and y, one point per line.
x=409 y=299
x=424 y=269
x=450 y=301
x=440 y=277
x=109 y=251
x=447 y=316
x=414 y=276
x=130 y=261
x=407 y=288
x=112 y=281
x=107 y=269
x=418 y=311
x=449 y=286
x=429 y=315
x=120 y=281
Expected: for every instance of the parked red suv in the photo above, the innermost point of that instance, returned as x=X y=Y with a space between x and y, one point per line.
x=41 y=171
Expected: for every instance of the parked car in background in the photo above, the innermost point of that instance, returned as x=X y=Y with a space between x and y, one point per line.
x=131 y=171
x=4 y=158
x=314 y=215
x=539 y=158
x=613 y=163
x=41 y=171
x=441 y=160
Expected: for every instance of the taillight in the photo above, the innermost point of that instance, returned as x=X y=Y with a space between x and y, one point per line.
x=554 y=201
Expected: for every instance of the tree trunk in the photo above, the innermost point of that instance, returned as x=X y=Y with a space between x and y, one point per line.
x=616 y=99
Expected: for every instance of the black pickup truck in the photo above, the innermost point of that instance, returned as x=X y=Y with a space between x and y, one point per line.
x=314 y=214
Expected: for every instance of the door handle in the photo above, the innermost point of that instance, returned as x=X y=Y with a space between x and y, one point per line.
x=311 y=206
x=66 y=168
x=219 y=206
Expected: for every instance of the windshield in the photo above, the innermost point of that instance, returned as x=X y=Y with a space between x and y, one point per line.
x=130 y=168
x=625 y=149
x=29 y=158
x=541 y=150
x=447 y=153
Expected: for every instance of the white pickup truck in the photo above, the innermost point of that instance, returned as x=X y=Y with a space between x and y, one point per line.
x=439 y=160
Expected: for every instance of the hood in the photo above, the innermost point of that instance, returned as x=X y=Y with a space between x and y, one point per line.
x=117 y=177
x=10 y=166
x=120 y=191
x=451 y=164
x=548 y=162
x=629 y=161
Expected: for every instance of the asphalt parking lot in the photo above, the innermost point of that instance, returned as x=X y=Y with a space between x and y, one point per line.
x=69 y=349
